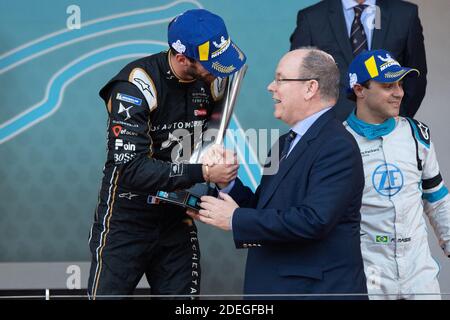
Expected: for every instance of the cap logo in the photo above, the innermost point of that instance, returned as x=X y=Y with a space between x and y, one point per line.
x=223 y=69
x=353 y=79
x=388 y=61
x=223 y=46
x=371 y=67
x=222 y=42
x=179 y=47
x=203 y=51
x=397 y=74
x=241 y=55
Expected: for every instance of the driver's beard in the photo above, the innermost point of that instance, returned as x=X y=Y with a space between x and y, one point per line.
x=195 y=74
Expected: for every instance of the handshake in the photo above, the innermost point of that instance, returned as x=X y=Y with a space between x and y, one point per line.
x=219 y=165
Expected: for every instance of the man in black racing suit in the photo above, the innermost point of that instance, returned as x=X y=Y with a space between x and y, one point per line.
x=148 y=103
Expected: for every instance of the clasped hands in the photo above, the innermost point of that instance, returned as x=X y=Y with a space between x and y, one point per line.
x=220 y=165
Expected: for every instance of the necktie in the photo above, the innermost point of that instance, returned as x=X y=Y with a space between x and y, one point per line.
x=357 y=35
x=287 y=144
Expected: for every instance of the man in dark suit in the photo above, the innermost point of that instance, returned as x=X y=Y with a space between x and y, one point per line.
x=344 y=28
x=302 y=226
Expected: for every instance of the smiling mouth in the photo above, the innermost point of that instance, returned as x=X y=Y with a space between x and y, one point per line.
x=276 y=100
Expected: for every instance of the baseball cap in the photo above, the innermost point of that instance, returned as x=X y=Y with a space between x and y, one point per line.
x=378 y=65
x=202 y=35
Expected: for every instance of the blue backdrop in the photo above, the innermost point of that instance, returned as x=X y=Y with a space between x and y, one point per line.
x=53 y=124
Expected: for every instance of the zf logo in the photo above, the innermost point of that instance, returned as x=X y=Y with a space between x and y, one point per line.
x=128 y=146
x=387 y=179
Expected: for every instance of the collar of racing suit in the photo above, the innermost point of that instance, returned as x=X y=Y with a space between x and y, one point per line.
x=368 y=130
x=170 y=72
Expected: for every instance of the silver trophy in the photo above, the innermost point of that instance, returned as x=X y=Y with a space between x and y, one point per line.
x=213 y=134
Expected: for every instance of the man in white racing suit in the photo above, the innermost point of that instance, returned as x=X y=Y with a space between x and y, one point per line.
x=402 y=181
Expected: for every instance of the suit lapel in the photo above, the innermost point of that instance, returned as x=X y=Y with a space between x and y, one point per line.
x=271 y=183
x=339 y=27
x=380 y=34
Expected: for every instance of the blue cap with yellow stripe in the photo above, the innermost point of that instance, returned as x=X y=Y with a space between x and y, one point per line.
x=203 y=36
x=378 y=65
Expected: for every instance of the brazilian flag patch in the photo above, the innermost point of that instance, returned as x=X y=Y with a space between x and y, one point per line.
x=381 y=239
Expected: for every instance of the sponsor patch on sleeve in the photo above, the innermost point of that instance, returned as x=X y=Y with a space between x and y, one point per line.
x=145 y=84
x=130 y=99
x=200 y=112
x=218 y=87
x=421 y=132
x=176 y=169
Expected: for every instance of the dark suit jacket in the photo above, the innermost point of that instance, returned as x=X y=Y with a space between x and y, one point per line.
x=323 y=25
x=303 y=224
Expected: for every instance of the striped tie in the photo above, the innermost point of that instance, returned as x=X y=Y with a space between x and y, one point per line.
x=357 y=35
x=287 y=144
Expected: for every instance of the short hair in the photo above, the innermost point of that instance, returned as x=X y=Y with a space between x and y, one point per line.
x=320 y=65
x=352 y=96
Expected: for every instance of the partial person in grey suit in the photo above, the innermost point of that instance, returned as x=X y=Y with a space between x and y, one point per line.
x=345 y=28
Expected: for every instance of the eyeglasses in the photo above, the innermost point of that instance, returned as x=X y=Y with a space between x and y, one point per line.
x=280 y=81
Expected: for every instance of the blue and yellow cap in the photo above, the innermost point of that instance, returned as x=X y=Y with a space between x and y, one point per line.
x=378 y=65
x=203 y=36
